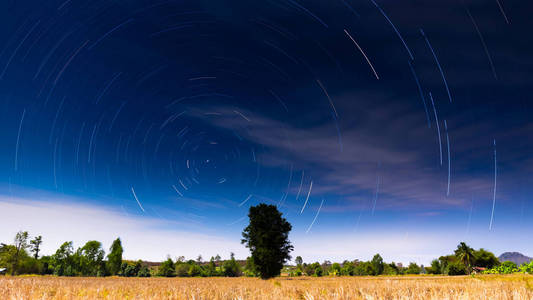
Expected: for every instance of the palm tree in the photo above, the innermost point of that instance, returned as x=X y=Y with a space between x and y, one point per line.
x=465 y=254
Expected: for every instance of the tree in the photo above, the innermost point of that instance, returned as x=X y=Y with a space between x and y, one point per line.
x=36 y=246
x=444 y=261
x=267 y=237
x=455 y=268
x=250 y=269
x=413 y=268
x=391 y=269
x=335 y=269
x=7 y=255
x=166 y=268
x=144 y=272
x=114 y=258
x=364 y=268
x=377 y=264
x=231 y=267
x=21 y=244
x=91 y=258
x=129 y=270
x=62 y=260
x=194 y=270
x=465 y=254
x=314 y=269
x=348 y=268
x=436 y=267
x=485 y=259
x=299 y=261
x=211 y=268
x=182 y=269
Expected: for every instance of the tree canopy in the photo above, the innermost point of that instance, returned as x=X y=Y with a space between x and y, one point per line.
x=465 y=254
x=114 y=258
x=267 y=237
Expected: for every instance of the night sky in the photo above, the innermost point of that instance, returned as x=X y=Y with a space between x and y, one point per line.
x=399 y=127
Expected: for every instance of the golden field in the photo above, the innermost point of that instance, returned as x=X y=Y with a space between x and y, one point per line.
x=383 y=287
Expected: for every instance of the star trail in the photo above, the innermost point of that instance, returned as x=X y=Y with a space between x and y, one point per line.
x=189 y=112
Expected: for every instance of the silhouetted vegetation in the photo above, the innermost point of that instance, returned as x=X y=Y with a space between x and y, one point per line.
x=22 y=257
x=267 y=237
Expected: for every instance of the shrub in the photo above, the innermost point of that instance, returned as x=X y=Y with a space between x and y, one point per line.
x=144 y=272
x=455 y=268
x=348 y=269
x=507 y=267
x=182 y=269
x=335 y=269
x=194 y=270
x=166 y=268
x=527 y=268
x=413 y=268
x=231 y=268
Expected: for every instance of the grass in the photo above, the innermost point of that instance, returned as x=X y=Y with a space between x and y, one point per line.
x=382 y=287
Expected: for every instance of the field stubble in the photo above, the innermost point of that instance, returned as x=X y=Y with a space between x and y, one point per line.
x=383 y=287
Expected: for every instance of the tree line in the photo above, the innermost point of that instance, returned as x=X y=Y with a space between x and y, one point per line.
x=267 y=238
x=22 y=257
x=463 y=261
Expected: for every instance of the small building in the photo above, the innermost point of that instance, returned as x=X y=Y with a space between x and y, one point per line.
x=478 y=270
x=3 y=271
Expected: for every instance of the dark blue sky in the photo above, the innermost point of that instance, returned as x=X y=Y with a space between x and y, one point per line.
x=379 y=122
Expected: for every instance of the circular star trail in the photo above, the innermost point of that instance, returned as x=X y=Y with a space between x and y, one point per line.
x=331 y=110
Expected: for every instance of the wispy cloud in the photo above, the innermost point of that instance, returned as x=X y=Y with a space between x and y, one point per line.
x=392 y=137
x=59 y=219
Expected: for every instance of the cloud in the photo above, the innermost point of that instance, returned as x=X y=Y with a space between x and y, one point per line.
x=61 y=219
x=398 y=150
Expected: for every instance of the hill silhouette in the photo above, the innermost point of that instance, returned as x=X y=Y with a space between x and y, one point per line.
x=516 y=257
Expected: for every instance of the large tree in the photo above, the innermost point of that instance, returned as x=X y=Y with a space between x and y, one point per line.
x=486 y=259
x=267 y=237
x=114 y=258
x=465 y=254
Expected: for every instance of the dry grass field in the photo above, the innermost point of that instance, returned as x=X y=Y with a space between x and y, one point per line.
x=404 y=287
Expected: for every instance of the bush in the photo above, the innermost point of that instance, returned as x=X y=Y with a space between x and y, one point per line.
x=211 y=269
x=129 y=271
x=295 y=273
x=507 y=267
x=144 y=272
x=455 y=268
x=485 y=259
x=391 y=269
x=314 y=269
x=250 y=269
x=166 y=269
x=194 y=270
x=435 y=267
x=527 y=268
x=182 y=269
x=231 y=268
x=413 y=268
x=335 y=269
x=364 y=269
x=348 y=269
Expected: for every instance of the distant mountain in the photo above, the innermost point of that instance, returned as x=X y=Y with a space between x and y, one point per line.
x=516 y=257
